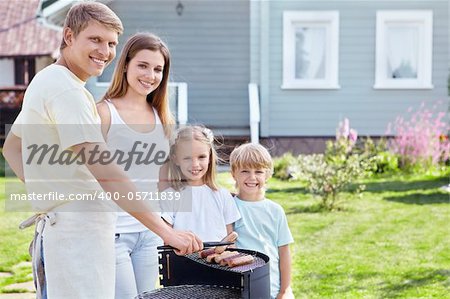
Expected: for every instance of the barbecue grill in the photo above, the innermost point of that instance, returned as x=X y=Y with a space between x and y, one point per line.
x=192 y=277
x=190 y=291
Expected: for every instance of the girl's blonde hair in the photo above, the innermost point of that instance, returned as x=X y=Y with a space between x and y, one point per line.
x=158 y=98
x=190 y=133
x=250 y=155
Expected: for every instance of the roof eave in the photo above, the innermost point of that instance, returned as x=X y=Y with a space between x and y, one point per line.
x=51 y=13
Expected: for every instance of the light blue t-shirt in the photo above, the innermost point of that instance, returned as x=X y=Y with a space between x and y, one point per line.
x=263 y=227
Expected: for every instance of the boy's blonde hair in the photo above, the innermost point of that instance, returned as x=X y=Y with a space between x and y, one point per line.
x=251 y=155
x=190 y=133
x=80 y=14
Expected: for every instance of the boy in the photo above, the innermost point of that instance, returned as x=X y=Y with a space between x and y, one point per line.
x=263 y=226
x=74 y=243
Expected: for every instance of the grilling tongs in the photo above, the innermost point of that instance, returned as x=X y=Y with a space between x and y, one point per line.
x=205 y=245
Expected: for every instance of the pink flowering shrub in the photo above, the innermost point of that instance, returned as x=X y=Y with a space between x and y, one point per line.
x=345 y=136
x=421 y=141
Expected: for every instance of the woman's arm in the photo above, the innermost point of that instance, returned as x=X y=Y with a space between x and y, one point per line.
x=163 y=182
x=105 y=117
x=285 y=273
x=229 y=228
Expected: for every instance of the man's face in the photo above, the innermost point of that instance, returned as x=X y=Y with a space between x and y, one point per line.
x=91 y=50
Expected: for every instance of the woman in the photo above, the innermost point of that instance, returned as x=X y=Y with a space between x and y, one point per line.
x=135 y=115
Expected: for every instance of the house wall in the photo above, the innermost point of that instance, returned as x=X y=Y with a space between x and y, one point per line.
x=209 y=44
x=7 y=72
x=42 y=62
x=317 y=112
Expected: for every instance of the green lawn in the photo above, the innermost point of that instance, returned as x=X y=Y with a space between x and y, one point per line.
x=13 y=242
x=391 y=242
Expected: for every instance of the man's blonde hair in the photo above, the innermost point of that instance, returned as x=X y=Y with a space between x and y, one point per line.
x=253 y=156
x=80 y=14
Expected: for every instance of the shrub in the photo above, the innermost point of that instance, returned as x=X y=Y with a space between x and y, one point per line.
x=284 y=166
x=384 y=162
x=342 y=165
x=421 y=140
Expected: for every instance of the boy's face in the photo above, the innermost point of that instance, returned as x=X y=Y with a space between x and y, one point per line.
x=91 y=50
x=251 y=182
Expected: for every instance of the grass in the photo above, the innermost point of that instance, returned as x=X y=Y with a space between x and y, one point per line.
x=391 y=242
x=14 y=243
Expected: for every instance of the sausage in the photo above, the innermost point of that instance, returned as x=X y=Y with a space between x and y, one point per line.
x=206 y=252
x=225 y=261
x=242 y=260
x=210 y=258
x=232 y=237
x=224 y=254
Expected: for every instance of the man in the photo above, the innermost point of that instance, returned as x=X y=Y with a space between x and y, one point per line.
x=76 y=239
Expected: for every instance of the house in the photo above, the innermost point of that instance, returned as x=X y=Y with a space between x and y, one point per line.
x=308 y=64
x=26 y=47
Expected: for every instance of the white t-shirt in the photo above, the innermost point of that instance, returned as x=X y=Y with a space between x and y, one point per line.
x=144 y=175
x=57 y=113
x=201 y=210
x=263 y=227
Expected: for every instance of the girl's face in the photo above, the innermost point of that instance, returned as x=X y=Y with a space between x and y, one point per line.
x=145 y=72
x=193 y=159
x=251 y=183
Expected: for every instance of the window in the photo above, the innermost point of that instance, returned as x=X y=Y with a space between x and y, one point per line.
x=404 y=49
x=24 y=70
x=310 y=49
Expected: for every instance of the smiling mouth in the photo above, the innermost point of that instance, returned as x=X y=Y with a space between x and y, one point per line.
x=251 y=185
x=146 y=84
x=99 y=62
x=195 y=172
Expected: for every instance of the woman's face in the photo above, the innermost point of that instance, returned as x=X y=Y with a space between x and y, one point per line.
x=145 y=72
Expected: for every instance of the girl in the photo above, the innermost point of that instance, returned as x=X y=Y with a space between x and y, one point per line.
x=203 y=208
x=134 y=112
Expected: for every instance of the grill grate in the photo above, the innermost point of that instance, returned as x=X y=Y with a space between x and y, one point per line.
x=258 y=262
x=190 y=292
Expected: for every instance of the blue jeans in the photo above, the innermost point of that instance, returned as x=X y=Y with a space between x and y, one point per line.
x=136 y=263
x=44 y=289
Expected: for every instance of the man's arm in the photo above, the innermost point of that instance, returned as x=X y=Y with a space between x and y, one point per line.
x=285 y=273
x=114 y=180
x=12 y=151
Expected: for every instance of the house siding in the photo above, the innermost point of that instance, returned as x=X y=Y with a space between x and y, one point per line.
x=210 y=48
x=317 y=112
x=7 y=73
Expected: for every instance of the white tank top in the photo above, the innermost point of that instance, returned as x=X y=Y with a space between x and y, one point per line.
x=144 y=175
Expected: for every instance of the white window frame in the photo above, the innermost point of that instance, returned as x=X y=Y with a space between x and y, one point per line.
x=330 y=21
x=423 y=19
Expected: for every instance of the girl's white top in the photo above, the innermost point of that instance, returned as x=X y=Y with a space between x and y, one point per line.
x=201 y=210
